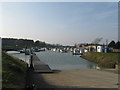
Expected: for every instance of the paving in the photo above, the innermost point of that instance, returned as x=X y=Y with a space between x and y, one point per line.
x=88 y=78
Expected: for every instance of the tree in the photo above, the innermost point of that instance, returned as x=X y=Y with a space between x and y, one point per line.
x=42 y=44
x=112 y=44
x=37 y=43
x=106 y=42
x=117 y=46
x=97 y=41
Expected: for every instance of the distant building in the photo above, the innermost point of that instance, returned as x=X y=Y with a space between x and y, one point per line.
x=116 y=50
x=92 y=48
x=100 y=48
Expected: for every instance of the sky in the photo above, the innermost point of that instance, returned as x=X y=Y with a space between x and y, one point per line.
x=65 y=23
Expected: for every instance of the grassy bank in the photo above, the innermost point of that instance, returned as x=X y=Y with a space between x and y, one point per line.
x=13 y=72
x=107 y=60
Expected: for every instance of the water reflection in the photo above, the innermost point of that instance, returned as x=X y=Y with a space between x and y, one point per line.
x=91 y=66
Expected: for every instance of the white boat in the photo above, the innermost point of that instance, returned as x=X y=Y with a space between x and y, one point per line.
x=22 y=51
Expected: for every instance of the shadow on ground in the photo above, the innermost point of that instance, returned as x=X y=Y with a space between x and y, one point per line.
x=34 y=81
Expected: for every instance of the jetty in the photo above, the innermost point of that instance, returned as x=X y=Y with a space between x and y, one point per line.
x=40 y=66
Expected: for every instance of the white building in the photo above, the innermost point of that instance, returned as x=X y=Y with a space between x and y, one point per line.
x=100 y=48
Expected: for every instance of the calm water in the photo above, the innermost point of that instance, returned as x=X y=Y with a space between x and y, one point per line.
x=19 y=55
x=57 y=60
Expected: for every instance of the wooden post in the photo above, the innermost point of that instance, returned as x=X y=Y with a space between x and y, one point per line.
x=116 y=67
x=31 y=62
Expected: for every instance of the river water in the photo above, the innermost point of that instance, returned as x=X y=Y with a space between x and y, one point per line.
x=59 y=61
x=19 y=55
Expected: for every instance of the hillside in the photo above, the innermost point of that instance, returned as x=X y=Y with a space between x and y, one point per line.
x=13 y=72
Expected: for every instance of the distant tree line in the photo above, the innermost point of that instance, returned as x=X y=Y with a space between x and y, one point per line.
x=114 y=45
x=11 y=43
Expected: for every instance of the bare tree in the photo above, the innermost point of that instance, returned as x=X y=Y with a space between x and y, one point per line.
x=97 y=40
x=107 y=42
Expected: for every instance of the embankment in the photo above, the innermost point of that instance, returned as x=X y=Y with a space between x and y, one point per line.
x=13 y=72
x=106 y=60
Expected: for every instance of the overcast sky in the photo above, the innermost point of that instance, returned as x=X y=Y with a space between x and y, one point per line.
x=64 y=23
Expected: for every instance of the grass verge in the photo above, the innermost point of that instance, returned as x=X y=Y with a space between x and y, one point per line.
x=13 y=72
x=106 y=60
